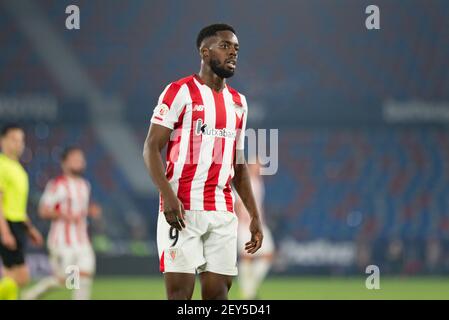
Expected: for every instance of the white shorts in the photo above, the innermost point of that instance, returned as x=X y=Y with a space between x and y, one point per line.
x=61 y=257
x=244 y=235
x=208 y=243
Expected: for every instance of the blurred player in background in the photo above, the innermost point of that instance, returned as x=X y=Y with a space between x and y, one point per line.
x=15 y=225
x=253 y=268
x=66 y=202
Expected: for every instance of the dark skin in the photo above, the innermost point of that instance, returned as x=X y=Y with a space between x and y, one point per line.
x=222 y=50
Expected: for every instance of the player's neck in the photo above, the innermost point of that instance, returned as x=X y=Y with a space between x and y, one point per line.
x=211 y=80
x=70 y=175
x=11 y=155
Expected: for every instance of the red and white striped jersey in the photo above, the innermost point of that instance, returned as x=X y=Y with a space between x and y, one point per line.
x=69 y=197
x=208 y=126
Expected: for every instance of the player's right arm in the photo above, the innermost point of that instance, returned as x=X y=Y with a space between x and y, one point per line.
x=165 y=115
x=157 y=138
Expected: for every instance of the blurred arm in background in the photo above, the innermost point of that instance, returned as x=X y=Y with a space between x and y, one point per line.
x=95 y=210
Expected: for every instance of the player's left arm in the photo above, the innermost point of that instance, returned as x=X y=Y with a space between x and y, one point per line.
x=94 y=209
x=242 y=185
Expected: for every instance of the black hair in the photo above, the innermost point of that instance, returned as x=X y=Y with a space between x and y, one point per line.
x=8 y=127
x=211 y=31
x=67 y=151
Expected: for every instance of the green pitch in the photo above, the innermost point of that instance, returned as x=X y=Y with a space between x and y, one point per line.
x=289 y=288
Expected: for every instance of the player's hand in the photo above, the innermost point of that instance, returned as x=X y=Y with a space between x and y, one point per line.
x=95 y=210
x=174 y=212
x=8 y=240
x=255 y=243
x=35 y=236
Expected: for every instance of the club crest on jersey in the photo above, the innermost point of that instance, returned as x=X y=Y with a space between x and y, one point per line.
x=201 y=128
x=162 y=109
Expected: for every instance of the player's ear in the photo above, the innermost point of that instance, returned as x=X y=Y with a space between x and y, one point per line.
x=204 y=52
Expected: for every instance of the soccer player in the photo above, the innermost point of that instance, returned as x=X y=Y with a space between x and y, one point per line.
x=15 y=225
x=253 y=268
x=203 y=120
x=66 y=202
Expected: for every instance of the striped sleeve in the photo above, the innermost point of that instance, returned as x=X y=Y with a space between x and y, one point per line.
x=241 y=133
x=169 y=106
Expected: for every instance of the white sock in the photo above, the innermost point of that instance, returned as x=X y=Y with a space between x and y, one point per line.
x=40 y=288
x=83 y=293
x=260 y=269
x=247 y=281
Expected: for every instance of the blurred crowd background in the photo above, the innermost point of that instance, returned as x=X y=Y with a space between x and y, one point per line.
x=363 y=175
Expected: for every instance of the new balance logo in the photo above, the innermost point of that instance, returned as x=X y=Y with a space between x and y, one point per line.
x=198 y=107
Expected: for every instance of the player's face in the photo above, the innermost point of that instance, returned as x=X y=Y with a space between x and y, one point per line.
x=223 y=53
x=14 y=142
x=75 y=163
